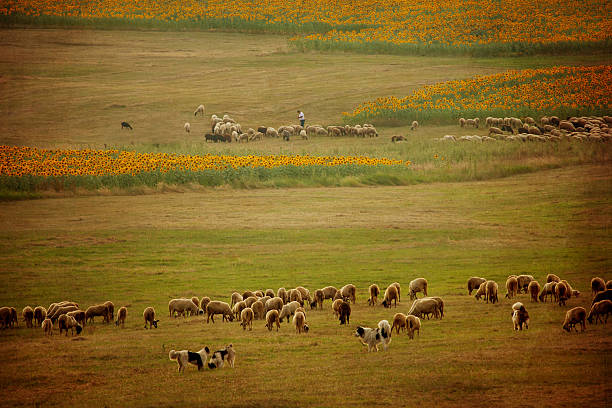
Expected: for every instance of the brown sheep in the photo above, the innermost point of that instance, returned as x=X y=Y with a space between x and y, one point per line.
x=344 y=312
x=534 y=289
x=121 y=316
x=482 y=291
x=66 y=322
x=390 y=296
x=413 y=324
x=79 y=316
x=547 y=290
x=318 y=299
x=374 y=292
x=204 y=302
x=336 y=307
x=47 y=326
x=272 y=319
x=149 y=317
x=512 y=287
x=246 y=317
x=305 y=294
x=196 y=301
x=275 y=303
x=599 y=309
x=217 y=307
x=40 y=314
x=296 y=296
x=399 y=291
x=523 y=282
x=551 y=277
x=236 y=297
x=474 y=283
x=492 y=290
x=258 y=310
x=97 y=310
x=250 y=300
x=561 y=292
x=349 y=291
x=269 y=292
x=28 y=315
x=247 y=294
x=399 y=322
x=609 y=284
x=573 y=316
x=597 y=285
x=329 y=292
x=60 y=311
x=111 y=311
x=282 y=293
x=299 y=321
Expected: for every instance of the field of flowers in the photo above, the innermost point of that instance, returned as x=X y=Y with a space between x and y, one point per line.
x=390 y=26
x=562 y=91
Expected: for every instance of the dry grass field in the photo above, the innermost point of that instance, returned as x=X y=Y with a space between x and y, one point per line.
x=139 y=248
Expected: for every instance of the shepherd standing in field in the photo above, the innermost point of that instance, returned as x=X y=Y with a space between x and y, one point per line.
x=301 y=118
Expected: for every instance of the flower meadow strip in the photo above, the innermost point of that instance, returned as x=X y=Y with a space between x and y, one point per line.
x=562 y=91
x=369 y=25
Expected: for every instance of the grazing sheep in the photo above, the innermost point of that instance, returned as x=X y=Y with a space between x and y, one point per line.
x=520 y=316
x=319 y=296
x=482 y=291
x=149 y=317
x=398 y=138
x=282 y=293
x=79 y=316
x=329 y=292
x=200 y=110
x=417 y=285
x=187 y=127
x=299 y=321
x=40 y=314
x=204 y=302
x=236 y=297
x=270 y=293
x=565 y=125
x=495 y=131
x=399 y=293
x=271 y=319
x=374 y=292
x=399 y=322
x=414 y=125
x=182 y=307
x=440 y=304
x=573 y=316
x=258 y=310
x=47 y=326
x=54 y=306
x=523 y=282
x=246 y=317
x=474 y=283
x=425 y=306
x=121 y=316
x=264 y=299
x=551 y=277
x=570 y=291
x=195 y=301
x=462 y=122
x=534 y=289
x=600 y=309
x=275 y=303
x=247 y=294
x=597 y=285
x=66 y=322
x=413 y=324
x=547 y=290
x=217 y=307
x=390 y=296
x=344 y=312
x=512 y=287
x=385 y=333
x=28 y=315
x=126 y=126
x=296 y=296
x=349 y=291
x=561 y=293
x=609 y=284
x=60 y=311
x=289 y=310
x=305 y=294
x=237 y=309
x=606 y=294
x=6 y=317
x=336 y=307
x=492 y=292
x=111 y=311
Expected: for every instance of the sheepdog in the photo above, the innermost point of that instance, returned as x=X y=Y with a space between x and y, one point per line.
x=369 y=337
x=220 y=356
x=385 y=333
x=185 y=356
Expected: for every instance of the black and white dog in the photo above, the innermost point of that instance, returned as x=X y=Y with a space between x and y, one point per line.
x=220 y=356
x=369 y=337
x=185 y=356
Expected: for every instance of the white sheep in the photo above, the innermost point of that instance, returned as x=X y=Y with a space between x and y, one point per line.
x=414 y=125
x=199 y=109
x=182 y=307
x=349 y=291
x=272 y=319
x=276 y=303
x=187 y=127
x=417 y=285
x=288 y=310
x=425 y=306
x=217 y=307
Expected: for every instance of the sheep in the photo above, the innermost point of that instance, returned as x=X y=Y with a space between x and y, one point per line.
x=414 y=125
x=462 y=122
x=258 y=310
x=492 y=292
x=570 y=291
x=534 y=289
x=565 y=125
x=336 y=307
x=440 y=304
x=606 y=294
x=269 y=292
x=111 y=311
x=551 y=277
x=390 y=296
x=547 y=289
x=6 y=317
x=204 y=302
x=236 y=297
x=247 y=294
x=319 y=296
x=54 y=306
x=196 y=301
x=398 y=287
x=399 y=322
x=237 y=309
x=573 y=316
x=603 y=307
x=398 y=138
x=217 y=307
x=344 y=312
x=561 y=293
x=520 y=316
x=40 y=314
x=413 y=324
x=271 y=319
x=187 y=127
x=417 y=285
x=96 y=310
x=597 y=285
x=482 y=291
x=349 y=291
x=264 y=299
x=28 y=315
x=66 y=322
x=523 y=282
x=288 y=310
x=60 y=311
x=199 y=109
x=609 y=284
x=282 y=293
x=305 y=294
x=182 y=307
x=47 y=326
x=79 y=316
x=246 y=317
x=511 y=287
x=121 y=316
x=126 y=125
x=149 y=317
x=299 y=321
x=275 y=303
x=474 y=283
x=329 y=292
x=495 y=131
x=424 y=306
x=374 y=292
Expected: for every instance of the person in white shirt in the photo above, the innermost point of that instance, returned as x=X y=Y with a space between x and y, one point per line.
x=301 y=118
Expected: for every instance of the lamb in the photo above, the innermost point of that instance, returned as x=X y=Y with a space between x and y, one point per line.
x=417 y=285
x=318 y=299
x=288 y=310
x=492 y=292
x=336 y=307
x=199 y=109
x=282 y=293
x=111 y=311
x=149 y=317
x=258 y=310
x=385 y=333
x=271 y=319
x=121 y=315
x=425 y=306
x=390 y=296
x=299 y=321
x=275 y=303
x=534 y=289
x=97 y=310
x=512 y=286
x=187 y=127
x=28 y=315
x=79 y=316
x=474 y=283
x=551 y=277
x=182 y=307
x=47 y=326
x=482 y=291
x=603 y=307
x=329 y=292
x=218 y=307
x=247 y=316
x=374 y=292
x=597 y=285
x=66 y=322
x=350 y=292
x=414 y=125
x=344 y=311
x=399 y=322
x=573 y=316
x=413 y=324
x=40 y=314
x=520 y=316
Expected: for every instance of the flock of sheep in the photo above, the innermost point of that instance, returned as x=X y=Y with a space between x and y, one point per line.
x=550 y=128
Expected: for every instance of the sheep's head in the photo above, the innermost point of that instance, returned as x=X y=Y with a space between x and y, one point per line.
x=154 y=323
x=313 y=305
x=306 y=328
x=566 y=327
x=79 y=329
